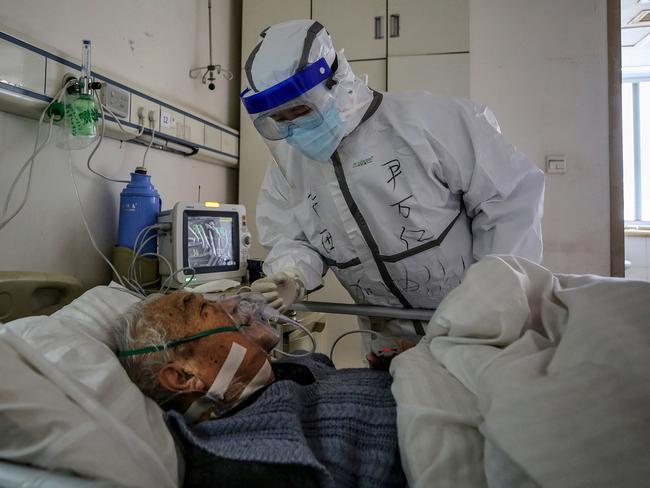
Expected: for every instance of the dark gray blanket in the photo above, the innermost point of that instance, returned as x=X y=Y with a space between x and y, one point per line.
x=331 y=428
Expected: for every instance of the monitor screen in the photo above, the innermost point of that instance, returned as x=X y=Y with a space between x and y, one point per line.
x=211 y=241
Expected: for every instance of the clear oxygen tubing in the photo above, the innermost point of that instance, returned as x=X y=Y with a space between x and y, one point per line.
x=166 y=285
x=30 y=161
x=99 y=143
x=253 y=305
x=103 y=108
x=138 y=290
x=83 y=219
x=153 y=135
x=132 y=272
x=135 y=271
x=117 y=120
x=371 y=332
x=269 y=313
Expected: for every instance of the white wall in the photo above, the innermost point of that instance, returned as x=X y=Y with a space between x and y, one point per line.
x=637 y=252
x=542 y=67
x=150 y=44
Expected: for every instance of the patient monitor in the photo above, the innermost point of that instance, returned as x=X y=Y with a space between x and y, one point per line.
x=210 y=237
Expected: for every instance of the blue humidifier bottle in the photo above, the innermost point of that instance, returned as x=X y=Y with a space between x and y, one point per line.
x=140 y=205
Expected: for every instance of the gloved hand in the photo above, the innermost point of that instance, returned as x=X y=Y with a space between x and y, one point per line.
x=281 y=289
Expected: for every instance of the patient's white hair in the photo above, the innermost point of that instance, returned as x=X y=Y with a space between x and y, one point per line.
x=136 y=329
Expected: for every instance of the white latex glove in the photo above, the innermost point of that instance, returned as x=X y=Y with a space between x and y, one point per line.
x=281 y=289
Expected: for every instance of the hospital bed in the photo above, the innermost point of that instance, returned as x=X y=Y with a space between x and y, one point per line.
x=25 y=293
x=19 y=476
x=484 y=364
x=67 y=360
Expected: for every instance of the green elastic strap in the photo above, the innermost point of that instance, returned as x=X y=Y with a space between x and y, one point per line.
x=178 y=342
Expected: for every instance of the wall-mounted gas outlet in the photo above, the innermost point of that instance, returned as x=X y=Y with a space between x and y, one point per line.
x=116 y=99
x=142 y=106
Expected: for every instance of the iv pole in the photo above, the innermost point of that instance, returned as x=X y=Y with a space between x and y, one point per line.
x=210 y=68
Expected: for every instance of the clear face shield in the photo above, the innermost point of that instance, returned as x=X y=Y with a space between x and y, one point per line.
x=300 y=110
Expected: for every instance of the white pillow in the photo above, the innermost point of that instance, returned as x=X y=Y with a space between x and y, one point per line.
x=70 y=404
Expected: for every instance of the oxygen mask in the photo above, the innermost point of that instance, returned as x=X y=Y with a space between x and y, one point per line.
x=260 y=322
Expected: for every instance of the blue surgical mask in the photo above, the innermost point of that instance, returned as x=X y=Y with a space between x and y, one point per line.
x=319 y=143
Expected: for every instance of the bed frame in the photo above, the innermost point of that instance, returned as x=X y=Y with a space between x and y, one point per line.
x=26 y=293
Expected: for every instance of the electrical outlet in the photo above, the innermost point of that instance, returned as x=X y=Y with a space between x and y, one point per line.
x=556 y=164
x=141 y=106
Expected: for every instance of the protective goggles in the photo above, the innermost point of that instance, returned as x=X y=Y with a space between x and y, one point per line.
x=295 y=102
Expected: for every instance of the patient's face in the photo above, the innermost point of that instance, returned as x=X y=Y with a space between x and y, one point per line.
x=184 y=314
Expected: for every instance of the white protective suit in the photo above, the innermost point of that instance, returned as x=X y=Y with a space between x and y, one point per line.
x=421 y=187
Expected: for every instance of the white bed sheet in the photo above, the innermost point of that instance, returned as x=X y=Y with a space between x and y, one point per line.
x=556 y=367
x=437 y=424
x=69 y=404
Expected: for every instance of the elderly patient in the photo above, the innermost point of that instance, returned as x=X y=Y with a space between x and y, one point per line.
x=243 y=421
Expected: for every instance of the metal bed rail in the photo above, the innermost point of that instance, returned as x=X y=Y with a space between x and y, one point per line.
x=365 y=310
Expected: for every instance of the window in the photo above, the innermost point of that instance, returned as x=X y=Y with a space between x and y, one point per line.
x=636 y=150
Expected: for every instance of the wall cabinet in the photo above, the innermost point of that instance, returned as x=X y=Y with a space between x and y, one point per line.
x=370 y=29
x=395 y=32
x=359 y=26
x=427 y=27
x=383 y=33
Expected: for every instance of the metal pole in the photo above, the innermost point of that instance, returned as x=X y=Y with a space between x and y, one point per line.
x=365 y=310
x=210 y=27
x=638 y=175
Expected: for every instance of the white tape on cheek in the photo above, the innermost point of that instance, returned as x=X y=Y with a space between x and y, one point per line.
x=262 y=378
x=227 y=372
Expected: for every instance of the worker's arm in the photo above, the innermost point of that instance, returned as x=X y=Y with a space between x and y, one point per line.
x=280 y=232
x=503 y=190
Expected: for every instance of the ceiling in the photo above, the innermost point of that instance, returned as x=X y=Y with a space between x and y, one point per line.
x=635 y=38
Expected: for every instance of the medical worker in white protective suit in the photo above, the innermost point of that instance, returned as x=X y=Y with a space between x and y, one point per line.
x=397 y=193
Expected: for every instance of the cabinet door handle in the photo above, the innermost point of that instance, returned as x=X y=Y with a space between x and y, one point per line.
x=394 y=25
x=379 y=27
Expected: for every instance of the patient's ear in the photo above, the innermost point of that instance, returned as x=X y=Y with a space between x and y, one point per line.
x=174 y=377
